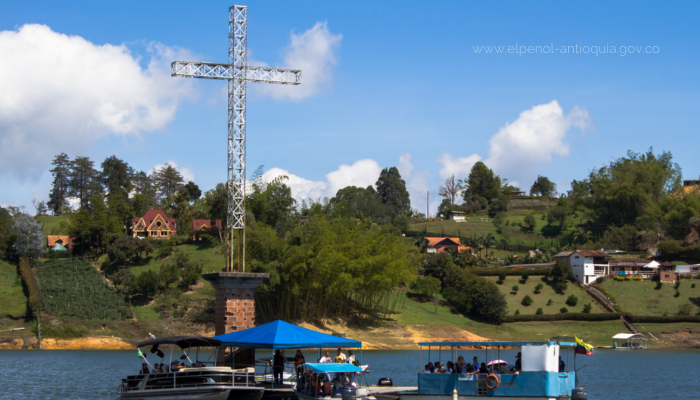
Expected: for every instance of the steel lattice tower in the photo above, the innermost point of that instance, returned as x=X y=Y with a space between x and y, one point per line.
x=237 y=73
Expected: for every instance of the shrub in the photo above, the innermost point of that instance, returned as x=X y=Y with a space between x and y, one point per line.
x=568 y=317
x=560 y=287
x=665 y=319
x=539 y=311
x=502 y=276
x=538 y=288
x=692 y=286
x=190 y=276
x=515 y=288
x=122 y=277
x=619 y=278
x=517 y=312
x=129 y=250
x=677 y=285
x=525 y=277
x=637 y=278
x=572 y=300
x=628 y=278
x=147 y=283
x=587 y=308
x=547 y=274
x=549 y=303
x=678 y=293
x=527 y=301
x=425 y=287
x=659 y=285
x=685 y=309
x=163 y=252
x=563 y=310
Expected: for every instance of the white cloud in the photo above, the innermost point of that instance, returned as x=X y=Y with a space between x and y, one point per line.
x=61 y=93
x=187 y=173
x=533 y=139
x=362 y=173
x=314 y=53
x=459 y=167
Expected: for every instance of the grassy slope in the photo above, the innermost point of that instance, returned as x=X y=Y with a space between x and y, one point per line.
x=636 y=296
x=52 y=224
x=540 y=300
x=474 y=226
x=12 y=297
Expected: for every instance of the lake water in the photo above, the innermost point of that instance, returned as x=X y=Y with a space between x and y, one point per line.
x=609 y=374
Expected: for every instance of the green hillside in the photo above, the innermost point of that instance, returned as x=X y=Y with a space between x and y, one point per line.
x=540 y=300
x=642 y=297
x=52 y=224
x=12 y=297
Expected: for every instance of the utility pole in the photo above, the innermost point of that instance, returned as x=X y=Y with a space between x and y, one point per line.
x=427 y=206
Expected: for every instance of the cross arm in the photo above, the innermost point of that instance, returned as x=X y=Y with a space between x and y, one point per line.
x=228 y=71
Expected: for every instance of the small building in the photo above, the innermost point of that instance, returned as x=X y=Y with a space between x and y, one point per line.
x=588 y=265
x=200 y=226
x=155 y=224
x=456 y=215
x=442 y=245
x=633 y=267
x=564 y=255
x=630 y=341
x=63 y=240
x=303 y=219
x=667 y=272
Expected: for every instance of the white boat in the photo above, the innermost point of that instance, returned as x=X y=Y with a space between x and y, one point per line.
x=347 y=377
x=198 y=380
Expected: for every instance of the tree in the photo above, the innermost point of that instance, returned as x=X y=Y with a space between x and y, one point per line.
x=129 y=250
x=167 y=180
x=147 y=283
x=527 y=301
x=84 y=181
x=587 y=308
x=193 y=191
x=562 y=271
x=543 y=187
x=450 y=189
x=356 y=202
x=190 y=276
x=427 y=287
x=530 y=223
x=116 y=174
x=269 y=202
x=481 y=180
x=572 y=300
x=538 y=288
x=30 y=240
x=60 y=188
x=391 y=189
x=444 y=208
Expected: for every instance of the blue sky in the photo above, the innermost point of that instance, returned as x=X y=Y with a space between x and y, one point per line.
x=385 y=84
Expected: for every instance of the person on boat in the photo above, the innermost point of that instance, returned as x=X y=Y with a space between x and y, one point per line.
x=483 y=369
x=337 y=388
x=427 y=369
x=450 y=367
x=175 y=366
x=278 y=366
x=164 y=368
x=518 y=364
x=438 y=368
x=326 y=358
x=562 y=366
x=144 y=369
x=340 y=357
x=475 y=366
x=462 y=367
x=298 y=361
x=156 y=368
x=352 y=359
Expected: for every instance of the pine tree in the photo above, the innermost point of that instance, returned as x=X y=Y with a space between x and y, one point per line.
x=167 y=181
x=84 y=180
x=61 y=183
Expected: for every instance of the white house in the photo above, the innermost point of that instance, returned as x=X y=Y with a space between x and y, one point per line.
x=456 y=215
x=588 y=265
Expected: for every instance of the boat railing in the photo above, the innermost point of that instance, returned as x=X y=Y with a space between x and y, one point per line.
x=189 y=379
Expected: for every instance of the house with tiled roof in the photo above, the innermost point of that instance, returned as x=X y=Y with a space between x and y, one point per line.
x=443 y=244
x=200 y=226
x=154 y=224
x=63 y=240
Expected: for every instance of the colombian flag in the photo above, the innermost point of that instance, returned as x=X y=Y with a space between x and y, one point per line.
x=583 y=348
x=139 y=353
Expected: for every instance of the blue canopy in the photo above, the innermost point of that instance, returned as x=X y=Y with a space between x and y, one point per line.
x=333 y=367
x=283 y=335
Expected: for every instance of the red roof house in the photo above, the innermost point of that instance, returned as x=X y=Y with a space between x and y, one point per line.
x=155 y=224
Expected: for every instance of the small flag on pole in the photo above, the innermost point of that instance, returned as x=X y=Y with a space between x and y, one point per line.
x=139 y=353
x=151 y=335
x=583 y=348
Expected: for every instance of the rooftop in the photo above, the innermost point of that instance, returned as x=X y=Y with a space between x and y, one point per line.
x=497 y=344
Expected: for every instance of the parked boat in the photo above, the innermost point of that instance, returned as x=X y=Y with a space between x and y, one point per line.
x=332 y=380
x=628 y=341
x=539 y=375
x=195 y=379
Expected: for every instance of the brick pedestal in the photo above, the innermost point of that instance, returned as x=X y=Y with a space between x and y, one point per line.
x=235 y=299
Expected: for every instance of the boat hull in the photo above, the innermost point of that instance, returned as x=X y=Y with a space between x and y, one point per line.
x=222 y=393
x=418 y=396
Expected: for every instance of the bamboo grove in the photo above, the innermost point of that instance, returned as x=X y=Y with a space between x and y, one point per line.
x=74 y=289
x=345 y=268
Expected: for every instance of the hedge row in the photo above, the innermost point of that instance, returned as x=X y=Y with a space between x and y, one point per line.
x=636 y=319
x=25 y=269
x=510 y=271
x=562 y=317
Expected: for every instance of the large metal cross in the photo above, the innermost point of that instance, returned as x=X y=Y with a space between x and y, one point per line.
x=237 y=72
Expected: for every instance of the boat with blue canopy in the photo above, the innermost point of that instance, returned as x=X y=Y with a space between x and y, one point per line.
x=332 y=380
x=540 y=372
